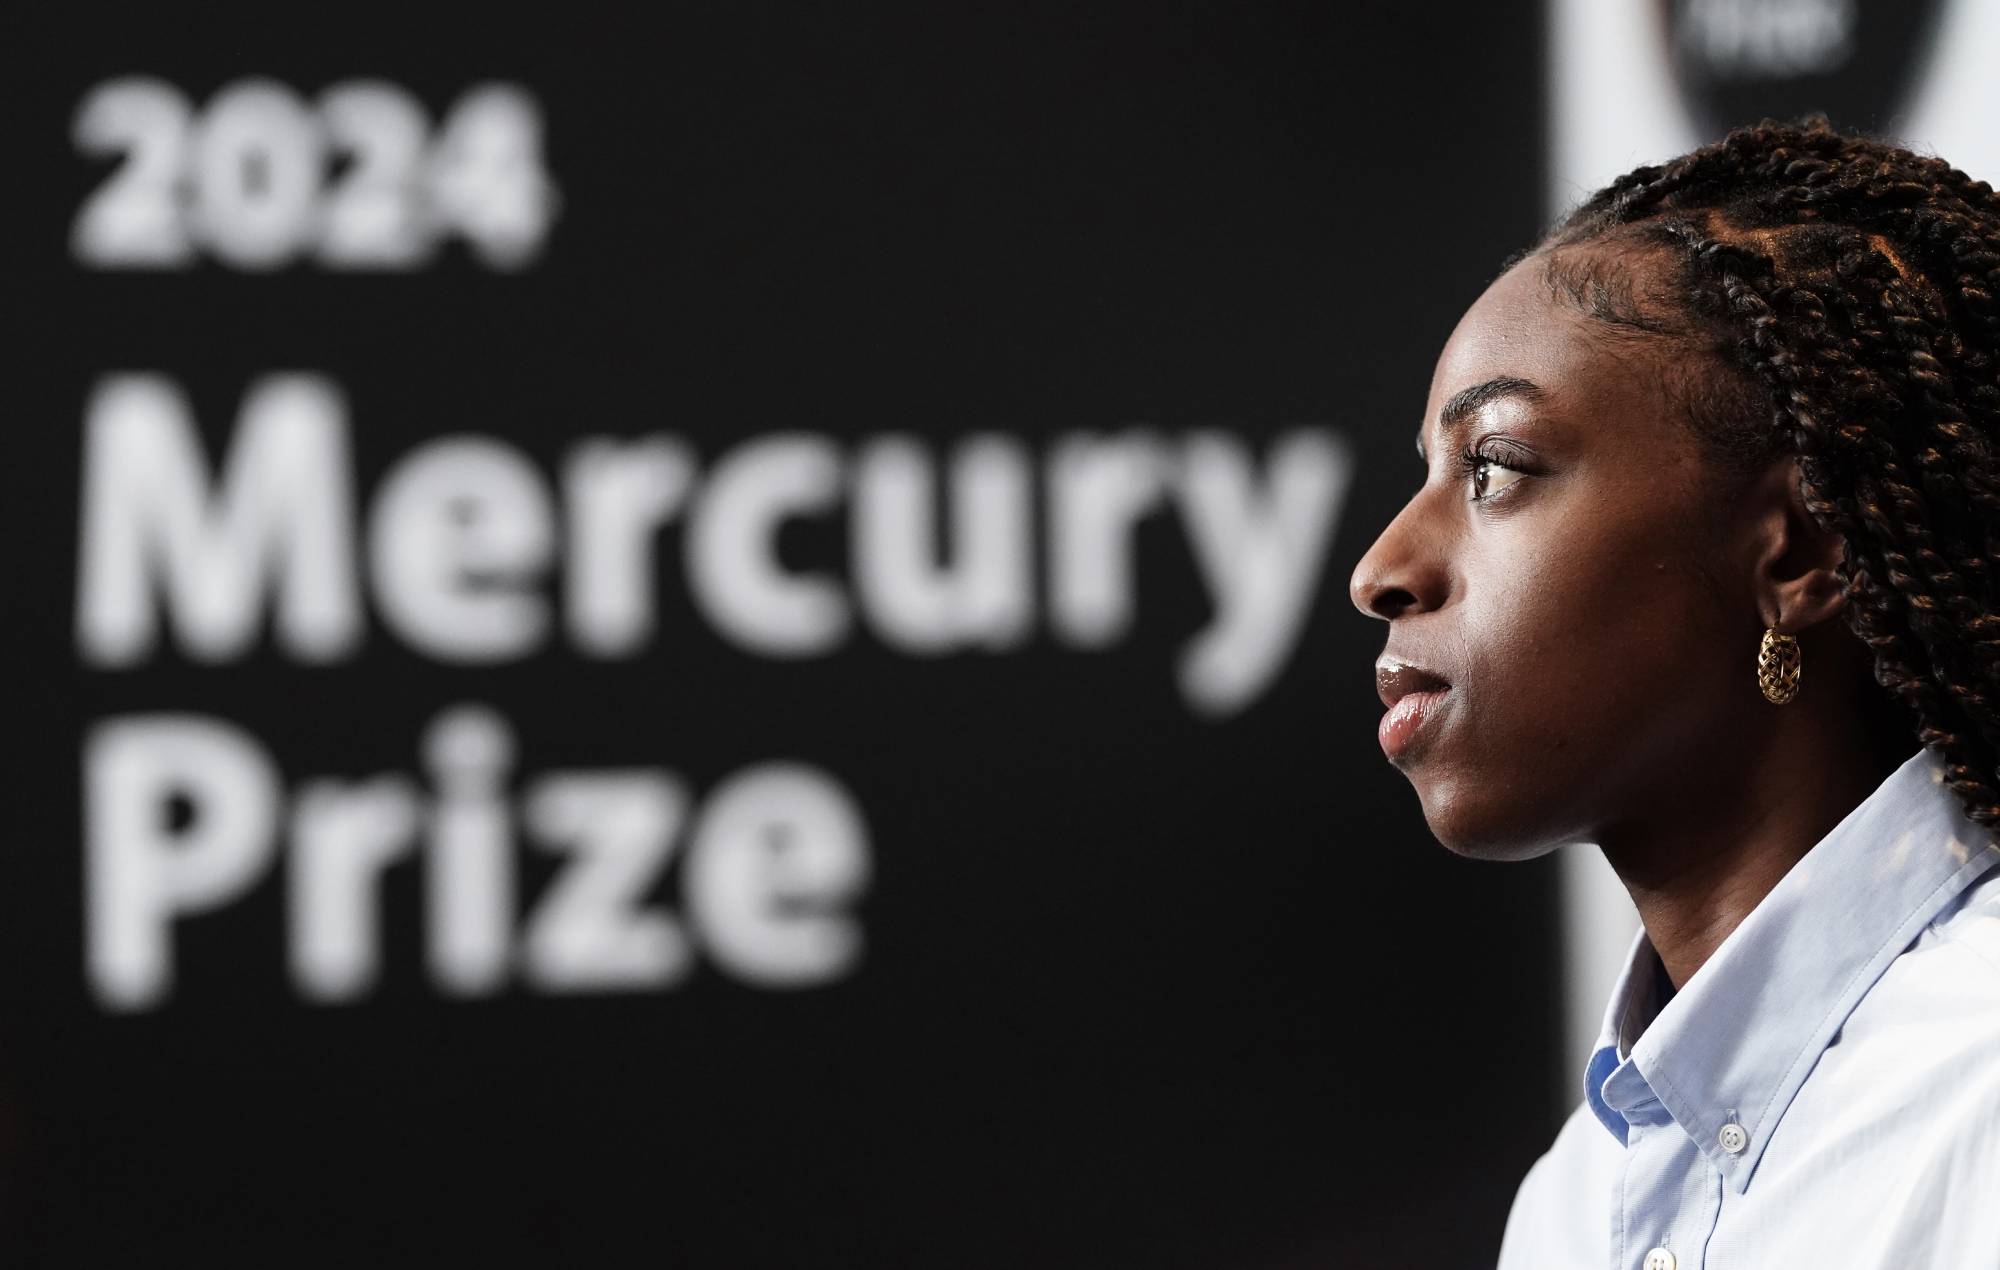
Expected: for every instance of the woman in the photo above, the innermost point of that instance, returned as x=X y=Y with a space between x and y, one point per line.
x=1706 y=571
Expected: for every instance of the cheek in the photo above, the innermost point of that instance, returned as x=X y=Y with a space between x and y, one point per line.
x=1588 y=658
x=1606 y=598
x=1584 y=659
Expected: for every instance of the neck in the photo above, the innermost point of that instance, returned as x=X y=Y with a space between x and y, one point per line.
x=1695 y=875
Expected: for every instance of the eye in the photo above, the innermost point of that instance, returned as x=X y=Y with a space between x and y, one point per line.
x=1488 y=473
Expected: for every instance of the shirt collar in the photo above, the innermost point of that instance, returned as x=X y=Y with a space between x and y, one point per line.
x=1737 y=1041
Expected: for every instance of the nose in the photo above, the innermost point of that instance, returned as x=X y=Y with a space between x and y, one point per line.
x=1403 y=572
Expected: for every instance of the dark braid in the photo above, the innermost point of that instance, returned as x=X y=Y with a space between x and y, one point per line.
x=1852 y=292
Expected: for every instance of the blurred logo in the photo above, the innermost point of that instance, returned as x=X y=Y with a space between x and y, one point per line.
x=1739 y=61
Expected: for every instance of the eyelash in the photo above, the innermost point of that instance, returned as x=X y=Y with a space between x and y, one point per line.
x=1471 y=460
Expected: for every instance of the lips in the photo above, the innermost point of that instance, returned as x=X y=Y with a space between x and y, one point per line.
x=1413 y=696
x=1396 y=679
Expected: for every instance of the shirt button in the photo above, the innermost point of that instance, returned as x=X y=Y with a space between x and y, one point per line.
x=1733 y=1138
x=1659 y=1259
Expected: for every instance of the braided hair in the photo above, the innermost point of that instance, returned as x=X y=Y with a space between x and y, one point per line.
x=1850 y=293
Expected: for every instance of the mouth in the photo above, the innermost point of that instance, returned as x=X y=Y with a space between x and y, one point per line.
x=1413 y=696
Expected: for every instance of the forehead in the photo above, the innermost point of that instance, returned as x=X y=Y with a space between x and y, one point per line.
x=1519 y=329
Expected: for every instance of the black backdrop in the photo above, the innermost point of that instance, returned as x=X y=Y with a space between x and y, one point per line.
x=1140 y=983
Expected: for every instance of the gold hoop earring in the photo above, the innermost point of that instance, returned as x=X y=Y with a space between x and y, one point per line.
x=1779 y=667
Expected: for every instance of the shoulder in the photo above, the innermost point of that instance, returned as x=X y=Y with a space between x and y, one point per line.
x=1902 y=1111
x=1913 y=1064
x=1972 y=925
x=1946 y=984
x=1558 y=1215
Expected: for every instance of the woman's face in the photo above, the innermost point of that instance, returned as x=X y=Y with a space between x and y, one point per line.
x=1582 y=584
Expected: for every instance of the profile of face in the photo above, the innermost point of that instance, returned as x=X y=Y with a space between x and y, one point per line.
x=1576 y=593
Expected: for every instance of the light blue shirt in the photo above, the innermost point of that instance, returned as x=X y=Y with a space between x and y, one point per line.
x=1823 y=1092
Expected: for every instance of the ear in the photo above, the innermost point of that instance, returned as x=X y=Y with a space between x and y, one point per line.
x=1798 y=582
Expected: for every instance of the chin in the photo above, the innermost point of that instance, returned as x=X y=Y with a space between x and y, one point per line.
x=1478 y=827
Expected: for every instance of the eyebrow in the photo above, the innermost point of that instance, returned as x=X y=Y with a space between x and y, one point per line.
x=1467 y=402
